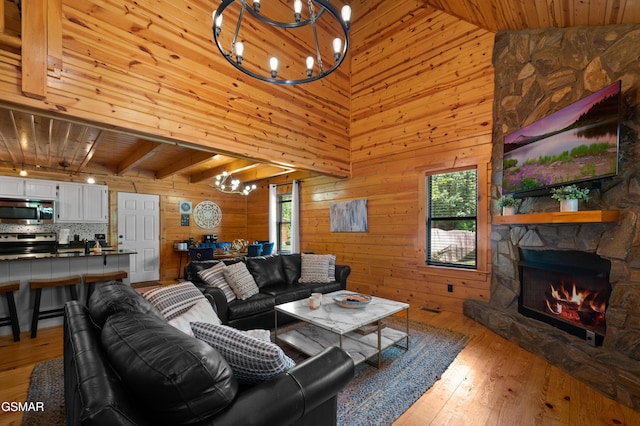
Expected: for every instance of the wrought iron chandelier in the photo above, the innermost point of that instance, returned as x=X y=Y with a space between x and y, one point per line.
x=305 y=30
x=227 y=184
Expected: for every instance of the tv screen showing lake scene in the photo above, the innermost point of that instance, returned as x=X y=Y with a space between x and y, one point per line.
x=575 y=144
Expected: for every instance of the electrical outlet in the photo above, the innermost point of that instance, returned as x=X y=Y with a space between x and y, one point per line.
x=450 y=288
x=591 y=338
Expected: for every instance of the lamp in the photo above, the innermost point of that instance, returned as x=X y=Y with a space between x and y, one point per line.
x=227 y=184
x=321 y=32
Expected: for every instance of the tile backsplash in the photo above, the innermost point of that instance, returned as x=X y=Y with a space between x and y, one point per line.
x=83 y=230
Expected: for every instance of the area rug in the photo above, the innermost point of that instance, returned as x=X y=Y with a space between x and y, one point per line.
x=46 y=387
x=374 y=397
x=380 y=396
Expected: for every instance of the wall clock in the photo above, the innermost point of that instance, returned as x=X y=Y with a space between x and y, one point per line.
x=185 y=207
x=207 y=215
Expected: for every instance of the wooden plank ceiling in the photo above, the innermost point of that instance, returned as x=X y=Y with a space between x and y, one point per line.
x=36 y=141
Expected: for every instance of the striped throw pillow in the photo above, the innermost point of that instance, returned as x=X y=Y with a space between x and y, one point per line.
x=214 y=277
x=174 y=300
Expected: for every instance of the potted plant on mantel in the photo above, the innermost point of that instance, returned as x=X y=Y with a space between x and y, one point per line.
x=569 y=196
x=508 y=205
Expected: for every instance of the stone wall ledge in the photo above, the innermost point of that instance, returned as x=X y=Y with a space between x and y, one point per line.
x=609 y=372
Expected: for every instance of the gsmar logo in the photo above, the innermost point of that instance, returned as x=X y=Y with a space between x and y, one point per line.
x=22 y=406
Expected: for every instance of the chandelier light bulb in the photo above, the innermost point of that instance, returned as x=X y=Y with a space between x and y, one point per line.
x=297 y=10
x=256 y=5
x=309 y=66
x=23 y=172
x=217 y=22
x=239 y=51
x=337 y=45
x=91 y=180
x=346 y=14
x=273 y=64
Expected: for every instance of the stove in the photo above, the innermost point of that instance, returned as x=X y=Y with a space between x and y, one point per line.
x=14 y=245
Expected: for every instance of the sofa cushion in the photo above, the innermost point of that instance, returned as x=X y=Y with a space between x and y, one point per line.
x=258 y=303
x=174 y=300
x=284 y=293
x=177 y=378
x=113 y=297
x=315 y=268
x=291 y=264
x=240 y=280
x=323 y=287
x=266 y=270
x=214 y=277
x=252 y=360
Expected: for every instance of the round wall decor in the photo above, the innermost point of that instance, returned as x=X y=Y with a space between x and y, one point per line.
x=207 y=215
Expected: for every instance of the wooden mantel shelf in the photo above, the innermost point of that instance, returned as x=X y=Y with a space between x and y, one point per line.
x=587 y=216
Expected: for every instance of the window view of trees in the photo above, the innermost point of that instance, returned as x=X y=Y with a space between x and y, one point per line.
x=284 y=223
x=452 y=219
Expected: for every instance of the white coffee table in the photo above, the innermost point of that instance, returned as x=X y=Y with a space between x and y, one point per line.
x=332 y=325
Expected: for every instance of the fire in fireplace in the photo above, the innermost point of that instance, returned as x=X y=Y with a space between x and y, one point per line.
x=567 y=289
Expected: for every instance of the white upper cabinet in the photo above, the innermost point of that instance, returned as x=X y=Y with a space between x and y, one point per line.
x=11 y=187
x=69 y=207
x=41 y=189
x=96 y=203
x=80 y=203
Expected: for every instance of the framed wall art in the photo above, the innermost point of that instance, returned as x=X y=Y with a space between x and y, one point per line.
x=348 y=216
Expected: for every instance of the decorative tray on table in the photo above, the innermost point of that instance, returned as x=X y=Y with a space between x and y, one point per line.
x=352 y=300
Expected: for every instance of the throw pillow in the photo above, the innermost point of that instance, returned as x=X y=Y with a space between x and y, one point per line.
x=174 y=300
x=201 y=311
x=214 y=277
x=178 y=379
x=315 y=268
x=252 y=360
x=240 y=280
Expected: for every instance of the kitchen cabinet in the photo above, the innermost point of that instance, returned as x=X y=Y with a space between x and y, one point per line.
x=11 y=187
x=82 y=203
x=35 y=189
x=41 y=189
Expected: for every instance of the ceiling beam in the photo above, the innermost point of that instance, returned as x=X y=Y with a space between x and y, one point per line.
x=233 y=167
x=186 y=162
x=143 y=150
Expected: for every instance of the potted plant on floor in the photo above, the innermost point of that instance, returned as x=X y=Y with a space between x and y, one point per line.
x=569 y=196
x=508 y=205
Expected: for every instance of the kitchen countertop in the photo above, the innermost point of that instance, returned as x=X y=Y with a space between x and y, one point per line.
x=63 y=254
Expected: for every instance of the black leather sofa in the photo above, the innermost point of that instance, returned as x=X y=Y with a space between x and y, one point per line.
x=277 y=278
x=125 y=365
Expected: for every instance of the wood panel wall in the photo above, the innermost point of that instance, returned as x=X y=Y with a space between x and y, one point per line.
x=152 y=67
x=421 y=101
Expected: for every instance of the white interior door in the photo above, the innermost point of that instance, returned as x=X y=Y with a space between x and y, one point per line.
x=139 y=230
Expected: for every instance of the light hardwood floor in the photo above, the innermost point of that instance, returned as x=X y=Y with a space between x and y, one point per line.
x=491 y=382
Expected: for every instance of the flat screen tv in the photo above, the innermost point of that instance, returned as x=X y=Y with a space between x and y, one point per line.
x=578 y=143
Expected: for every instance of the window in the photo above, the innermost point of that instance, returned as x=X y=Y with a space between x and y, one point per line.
x=284 y=223
x=452 y=206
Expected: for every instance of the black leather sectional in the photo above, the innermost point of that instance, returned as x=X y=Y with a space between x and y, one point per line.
x=125 y=365
x=277 y=278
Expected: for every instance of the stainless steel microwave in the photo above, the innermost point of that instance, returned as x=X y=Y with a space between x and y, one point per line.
x=26 y=212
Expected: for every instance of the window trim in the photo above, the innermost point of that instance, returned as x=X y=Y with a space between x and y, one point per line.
x=483 y=267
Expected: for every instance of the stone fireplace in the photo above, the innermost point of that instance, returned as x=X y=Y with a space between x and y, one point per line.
x=538 y=72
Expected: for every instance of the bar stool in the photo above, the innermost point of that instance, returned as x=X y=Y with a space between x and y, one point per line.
x=91 y=279
x=8 y=288
x=38 y=284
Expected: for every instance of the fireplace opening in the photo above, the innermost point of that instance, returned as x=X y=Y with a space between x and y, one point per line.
x=567 y=289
